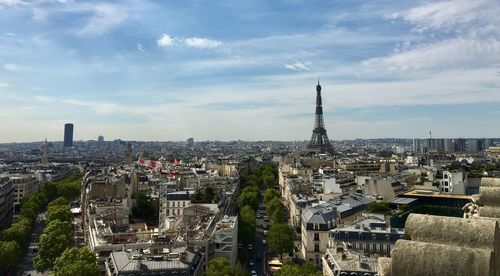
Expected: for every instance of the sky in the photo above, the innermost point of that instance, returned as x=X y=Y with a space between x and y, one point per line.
x=227 y=70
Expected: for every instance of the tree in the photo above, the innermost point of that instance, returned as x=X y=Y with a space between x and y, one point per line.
x=70 y=187
x=10 y=256
x=278 y=215
x=272 y=205
x=292 y=269
x=145 y=208
x=76 y=262
x=19 y=233
x=247 y=224
x=222 y=267
x=280 y=238
x=270 y=195
x=30 y=209
x=249 y=198
x=49 y=189
x=269 y=180
x=58 y=201
x=59 y=212
x=379 y=207
x=53 y=241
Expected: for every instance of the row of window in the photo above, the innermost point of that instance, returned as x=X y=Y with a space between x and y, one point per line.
x=372 y=247
x=176 y=203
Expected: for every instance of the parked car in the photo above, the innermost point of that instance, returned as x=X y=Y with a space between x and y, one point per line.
x=253 y=273
x=250 y=247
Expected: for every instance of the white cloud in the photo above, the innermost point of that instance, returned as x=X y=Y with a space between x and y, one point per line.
x=450 y=15
x=193 y=42
x=99 y=107
x=43 y=99
x=299 y=66
x=456 y=53
x=165 y=41
x=11 y=3
x=11 y=67
x=105 y=17
x=458 y=34
x=140 y=47
x=201 y=43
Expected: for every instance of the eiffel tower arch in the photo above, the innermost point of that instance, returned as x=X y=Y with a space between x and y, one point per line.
x=319 y=141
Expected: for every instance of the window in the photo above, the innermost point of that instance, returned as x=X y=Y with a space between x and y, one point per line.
x=316 y=247
x=381 y=248
x=316 y=236
x=446 y=183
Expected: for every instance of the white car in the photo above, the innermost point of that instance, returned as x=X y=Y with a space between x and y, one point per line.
x=253 y=273
x=264 y=242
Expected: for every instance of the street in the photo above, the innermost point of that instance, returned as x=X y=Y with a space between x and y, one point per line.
x=257 y=254
x=27 y=262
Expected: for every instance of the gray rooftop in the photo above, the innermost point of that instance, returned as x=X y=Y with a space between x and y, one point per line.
x=321 y=213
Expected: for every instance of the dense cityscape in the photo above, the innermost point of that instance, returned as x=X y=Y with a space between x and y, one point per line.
x=315 y=207
x=249 y=138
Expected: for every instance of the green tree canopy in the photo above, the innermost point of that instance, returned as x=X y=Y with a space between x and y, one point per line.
x=145 y=208
x=53 y=241
x=59 y=212
x=48 y=189
x=10 y=256
x=270 y=195
x=70 y=187
x=269 y=180
x=76 y=262
x=18 y=232
x=247 y=224
x=379 y=207
x=222 y=267
x=278 y=215
x=58 y=201
x=272 y=205
x=280 y=238
x=249 y=198
x=292 y=269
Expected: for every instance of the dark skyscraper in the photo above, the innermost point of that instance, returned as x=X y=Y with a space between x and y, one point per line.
x=68 y=135
x=319 y=141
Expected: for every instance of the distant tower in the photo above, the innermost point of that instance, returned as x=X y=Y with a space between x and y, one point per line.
x=100 y=140
x=319 y=141
x=45 y=156
x=68 y=135
x=189 y=142
x=128 y=154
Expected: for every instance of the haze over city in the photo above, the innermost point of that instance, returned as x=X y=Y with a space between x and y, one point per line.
x=226 y=70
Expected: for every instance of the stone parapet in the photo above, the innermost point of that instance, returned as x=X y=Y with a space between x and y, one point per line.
x=413 y=258
x=438 y=245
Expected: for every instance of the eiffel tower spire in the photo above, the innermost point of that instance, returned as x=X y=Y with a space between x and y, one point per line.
x=319 y=141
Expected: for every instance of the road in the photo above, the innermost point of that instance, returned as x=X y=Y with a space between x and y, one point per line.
x=27 y=263
x=258 y=253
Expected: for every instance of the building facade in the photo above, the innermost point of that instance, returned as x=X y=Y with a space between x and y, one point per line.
x=23 y=185
x=68 y=135
x=7 y=196
x=225 y=239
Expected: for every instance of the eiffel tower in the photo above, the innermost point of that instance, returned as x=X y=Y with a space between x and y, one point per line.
x=319 y=141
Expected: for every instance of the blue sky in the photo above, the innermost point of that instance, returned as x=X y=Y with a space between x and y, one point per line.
x=226 y=70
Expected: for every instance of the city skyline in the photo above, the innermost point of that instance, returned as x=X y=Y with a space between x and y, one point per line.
x=165 y=71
